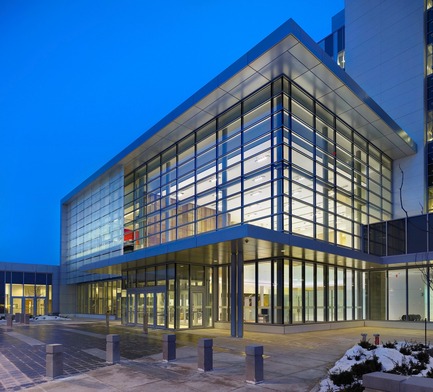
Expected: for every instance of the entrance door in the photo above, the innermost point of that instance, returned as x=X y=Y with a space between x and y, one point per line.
x=150 y=301
x=29 y=309
x=155 y=307
x=140 y=308
x=131 y=312
x=198 y=308
x=17 y=305
x=160 y=312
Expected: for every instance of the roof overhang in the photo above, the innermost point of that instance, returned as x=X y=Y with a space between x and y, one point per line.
x=289 y=51
x=216 y=248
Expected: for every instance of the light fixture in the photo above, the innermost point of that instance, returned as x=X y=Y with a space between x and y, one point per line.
x=259 y=178
x=262 y=158
x=256 y=193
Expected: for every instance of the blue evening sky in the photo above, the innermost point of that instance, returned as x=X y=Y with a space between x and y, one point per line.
x=80 y=80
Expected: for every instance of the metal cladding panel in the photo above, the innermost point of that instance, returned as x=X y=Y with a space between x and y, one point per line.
x=315 y=86
x=289 y=51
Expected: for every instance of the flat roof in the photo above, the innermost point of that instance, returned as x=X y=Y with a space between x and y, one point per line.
x=288 y=50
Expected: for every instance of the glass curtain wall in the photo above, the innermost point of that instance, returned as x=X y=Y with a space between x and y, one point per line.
x=399 y=294
x=174 y=296
x=292 y=292
x=99 y=297
x=93 y=226
x=278 y=159
x=26 y=292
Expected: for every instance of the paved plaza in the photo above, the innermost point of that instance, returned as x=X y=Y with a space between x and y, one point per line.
x=292 y=362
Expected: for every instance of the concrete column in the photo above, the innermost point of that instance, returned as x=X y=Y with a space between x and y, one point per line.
x=112 y=354
x=169 y=347
x=205 y=355
x=9 y=320
x=254 y=364
x=54 y=360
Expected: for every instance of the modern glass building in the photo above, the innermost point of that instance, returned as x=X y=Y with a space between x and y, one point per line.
x=267 y=199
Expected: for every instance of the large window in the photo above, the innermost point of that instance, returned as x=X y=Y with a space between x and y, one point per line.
x=308 y=292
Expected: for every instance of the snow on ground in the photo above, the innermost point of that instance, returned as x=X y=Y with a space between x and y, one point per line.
x=49 y=318
x=388 y=357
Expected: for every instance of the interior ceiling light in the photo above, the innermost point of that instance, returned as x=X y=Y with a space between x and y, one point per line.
x=262 y=158
x=255 y=193
x=259 y=178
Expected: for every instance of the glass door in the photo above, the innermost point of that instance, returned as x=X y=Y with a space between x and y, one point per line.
x=150 y=301
x=17 y=305
x=155 y=307
x=29 y=309
x=140 y=308
x=40 y=307
x=197 y=308
x=150 y=306
x=160 y=309
x=131 y=308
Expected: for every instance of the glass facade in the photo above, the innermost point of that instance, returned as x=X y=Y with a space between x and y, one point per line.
x=99 y=297
x=400 y=294
x=300 y=287
x=171 y=295
x=26 y=292
x=400 y=236
x=278 y=160
x=93 y=226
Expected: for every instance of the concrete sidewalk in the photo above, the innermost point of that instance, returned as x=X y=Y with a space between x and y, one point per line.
x=292 y=362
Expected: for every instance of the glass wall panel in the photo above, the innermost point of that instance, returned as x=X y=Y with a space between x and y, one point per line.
x=331 y=294
x=264 y=292
x=250 y=293
x=349 y=294
x=417 y=292
x=340 y=294
x=417 y=234
x=287 y=291
x=278 y=292
x=377 y=295
x=397 y=294
x=310 y=304
x=321 y=290
x=297 y=289
x=183 y=304
x=223 y=293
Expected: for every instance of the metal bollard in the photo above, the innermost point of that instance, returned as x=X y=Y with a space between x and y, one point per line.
x=145 y=323
x=17 y=317
x=205 y=355
x=376 y=338
x=364 y=337
x=169 y=347
x=254 y=364
x=107 y=320
x=26 y=320
x=54 y=360
x=9 y=321
x=112 y=354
